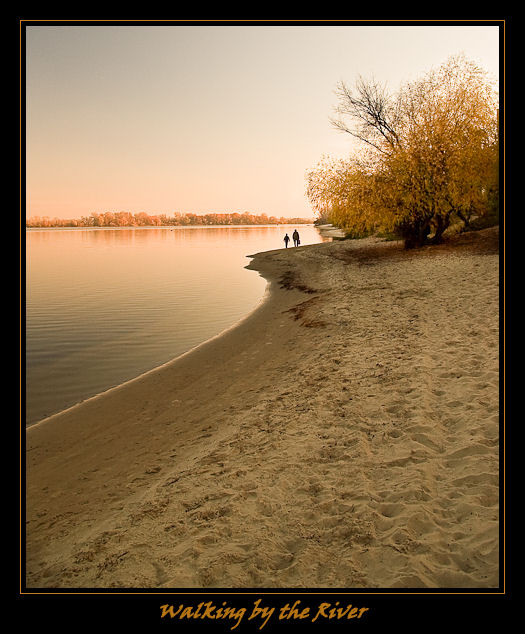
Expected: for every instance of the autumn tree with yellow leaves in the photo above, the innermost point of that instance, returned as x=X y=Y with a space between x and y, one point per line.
x=429 y=154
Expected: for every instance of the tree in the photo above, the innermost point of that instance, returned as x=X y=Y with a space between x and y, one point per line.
x=430 y=154
x=343 y=192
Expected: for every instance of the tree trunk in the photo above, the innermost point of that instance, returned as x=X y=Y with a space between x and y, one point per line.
x=416 y=235
x=442 y=222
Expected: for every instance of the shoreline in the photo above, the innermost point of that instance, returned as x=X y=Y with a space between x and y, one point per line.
x=322 y=441
x=157 y=368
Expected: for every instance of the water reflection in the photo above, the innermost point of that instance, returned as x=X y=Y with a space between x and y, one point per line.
x=105 y=305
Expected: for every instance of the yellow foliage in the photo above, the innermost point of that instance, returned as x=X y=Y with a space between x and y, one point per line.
x=430 y=151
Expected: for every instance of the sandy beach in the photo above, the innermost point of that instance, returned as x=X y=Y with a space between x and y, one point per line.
x=344 y=435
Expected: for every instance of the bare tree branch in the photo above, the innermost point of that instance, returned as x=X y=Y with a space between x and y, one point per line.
x=372 y=111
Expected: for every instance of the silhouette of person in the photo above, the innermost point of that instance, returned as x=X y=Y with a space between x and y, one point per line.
x=295 y=236
x=286 y=240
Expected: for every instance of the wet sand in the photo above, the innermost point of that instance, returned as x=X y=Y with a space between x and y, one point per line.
x=344 y=435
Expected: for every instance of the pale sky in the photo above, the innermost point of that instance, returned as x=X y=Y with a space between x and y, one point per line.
x=206 y=118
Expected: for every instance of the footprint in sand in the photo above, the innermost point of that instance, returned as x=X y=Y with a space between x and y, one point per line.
x=391 y=510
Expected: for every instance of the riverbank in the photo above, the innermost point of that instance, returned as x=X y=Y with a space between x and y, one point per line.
x=330 y=231
x=344 y=435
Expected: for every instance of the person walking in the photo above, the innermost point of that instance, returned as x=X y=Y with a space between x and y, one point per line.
x=286 y=240
x=295 y=236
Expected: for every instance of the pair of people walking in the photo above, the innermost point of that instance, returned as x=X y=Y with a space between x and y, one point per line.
x=296 y=240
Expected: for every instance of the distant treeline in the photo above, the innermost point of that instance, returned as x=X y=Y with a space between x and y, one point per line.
x=126 y=219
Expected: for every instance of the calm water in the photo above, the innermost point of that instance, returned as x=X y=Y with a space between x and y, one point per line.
x=105 y=305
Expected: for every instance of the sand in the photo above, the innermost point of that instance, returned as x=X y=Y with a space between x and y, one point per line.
x=346 y=434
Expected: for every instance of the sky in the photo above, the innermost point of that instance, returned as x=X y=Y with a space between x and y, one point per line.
x=202 y=119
